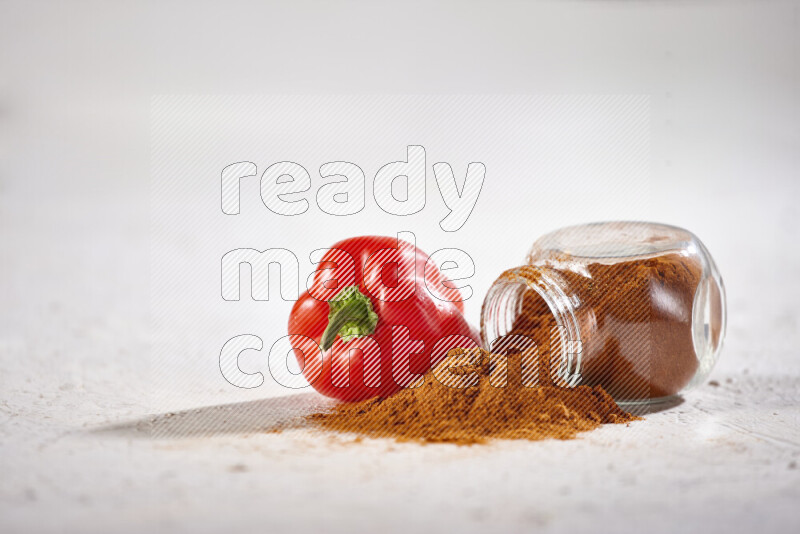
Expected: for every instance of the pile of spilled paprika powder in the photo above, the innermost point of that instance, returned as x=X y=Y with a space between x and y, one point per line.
x=473 y=396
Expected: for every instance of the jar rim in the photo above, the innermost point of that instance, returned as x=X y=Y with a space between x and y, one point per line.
x=546 y=285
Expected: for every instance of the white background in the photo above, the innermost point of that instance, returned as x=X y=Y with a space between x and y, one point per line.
x=723 y=80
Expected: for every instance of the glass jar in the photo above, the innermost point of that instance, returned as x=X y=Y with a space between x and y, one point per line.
x=636 y=308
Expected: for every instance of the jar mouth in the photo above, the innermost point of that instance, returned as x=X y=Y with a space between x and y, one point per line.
x=504 y=305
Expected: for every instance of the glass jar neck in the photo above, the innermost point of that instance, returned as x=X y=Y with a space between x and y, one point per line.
x=504 y=304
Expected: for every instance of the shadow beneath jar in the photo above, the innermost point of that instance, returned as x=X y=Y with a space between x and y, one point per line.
x=642 y=409
x=265 y=415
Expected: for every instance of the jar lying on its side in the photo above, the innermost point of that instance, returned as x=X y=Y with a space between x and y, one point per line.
x=637 y=308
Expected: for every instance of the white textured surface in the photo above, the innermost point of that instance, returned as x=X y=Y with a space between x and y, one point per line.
x=75 y=334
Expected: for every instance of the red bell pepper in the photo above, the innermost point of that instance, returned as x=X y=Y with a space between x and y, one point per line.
x=375 y=318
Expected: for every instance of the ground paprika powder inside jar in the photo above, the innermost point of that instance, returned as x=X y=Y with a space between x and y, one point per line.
x=636 y=308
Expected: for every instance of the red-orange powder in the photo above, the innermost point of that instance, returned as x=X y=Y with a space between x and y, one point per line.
x=437 y=411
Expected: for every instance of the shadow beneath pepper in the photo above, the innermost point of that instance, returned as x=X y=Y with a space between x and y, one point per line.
x=265 y=415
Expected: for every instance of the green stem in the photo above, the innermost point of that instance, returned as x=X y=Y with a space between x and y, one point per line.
x=350 y=316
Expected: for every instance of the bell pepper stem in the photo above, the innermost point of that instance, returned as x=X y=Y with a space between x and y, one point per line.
x=351 y=315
